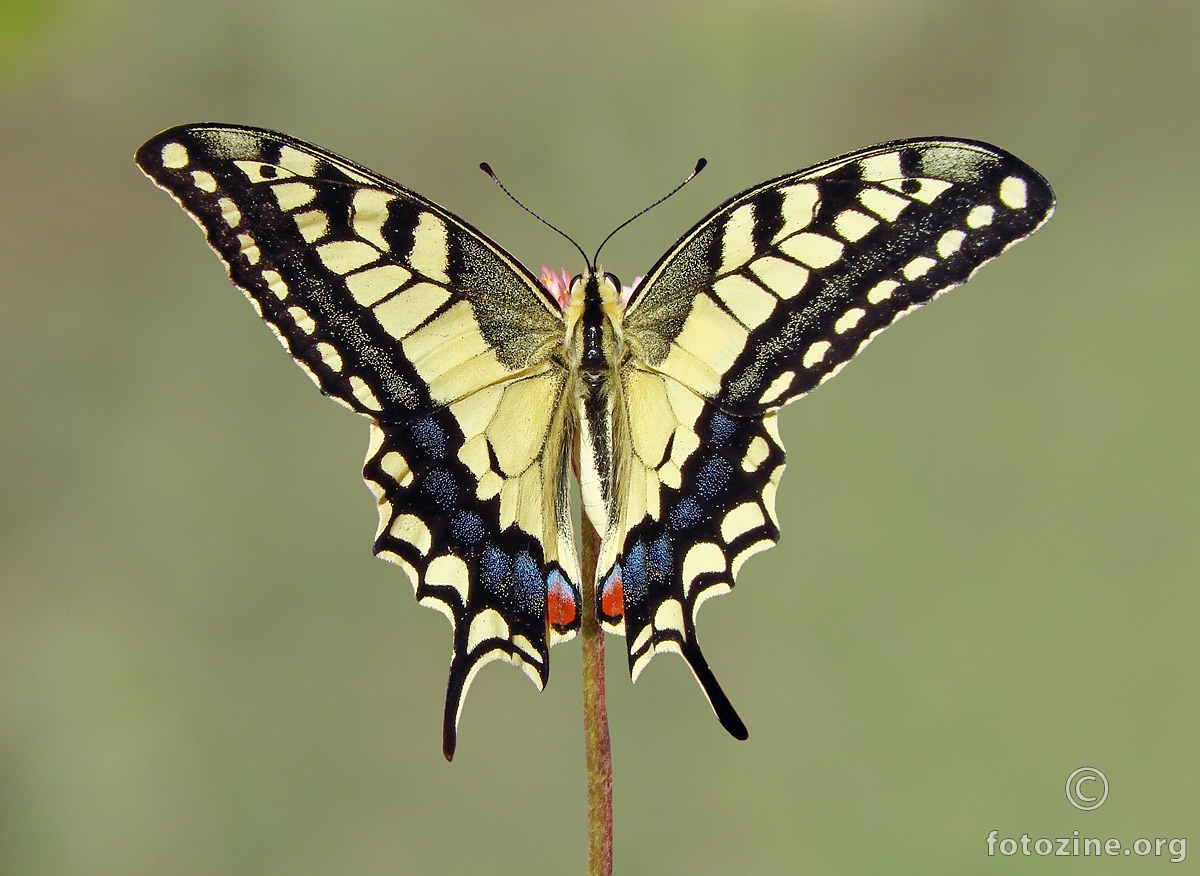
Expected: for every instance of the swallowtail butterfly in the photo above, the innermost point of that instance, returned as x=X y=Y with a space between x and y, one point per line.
x=481 y=385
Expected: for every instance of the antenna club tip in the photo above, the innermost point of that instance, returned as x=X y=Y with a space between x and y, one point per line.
x=700 y=165
x=487 y=168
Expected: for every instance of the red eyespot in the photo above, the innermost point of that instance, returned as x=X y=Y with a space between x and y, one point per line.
x=561 y=609
x=612 y=597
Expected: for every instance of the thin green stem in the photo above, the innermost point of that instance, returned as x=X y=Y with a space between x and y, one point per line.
x=595 y=717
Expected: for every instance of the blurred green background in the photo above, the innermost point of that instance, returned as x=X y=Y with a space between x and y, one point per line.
x=988 y=571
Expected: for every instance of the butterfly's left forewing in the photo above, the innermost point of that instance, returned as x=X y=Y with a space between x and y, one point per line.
x=782 y=285
x=406 y=314
x=759 y=303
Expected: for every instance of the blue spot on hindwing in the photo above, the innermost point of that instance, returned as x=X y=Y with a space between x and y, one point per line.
x=685 y=514
x=659 y=562
x=720 y=427
x=467 y=527
x=713 y=476
x=440 y=487
x=430 y=437
x=530 y=589
x=495 y=569
x=634 y=579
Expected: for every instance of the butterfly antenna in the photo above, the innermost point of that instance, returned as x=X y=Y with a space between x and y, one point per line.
x=700 y=165
x=487 y=168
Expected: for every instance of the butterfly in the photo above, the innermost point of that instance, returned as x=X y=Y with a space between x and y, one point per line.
x=484 y=389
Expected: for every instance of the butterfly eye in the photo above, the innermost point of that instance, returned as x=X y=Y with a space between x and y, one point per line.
x=612 y=278
x=576 y=279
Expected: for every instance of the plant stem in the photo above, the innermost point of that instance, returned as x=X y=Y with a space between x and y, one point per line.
x=595 y=717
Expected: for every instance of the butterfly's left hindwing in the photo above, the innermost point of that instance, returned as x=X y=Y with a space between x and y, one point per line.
x=406 y=314
x=698 y=500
